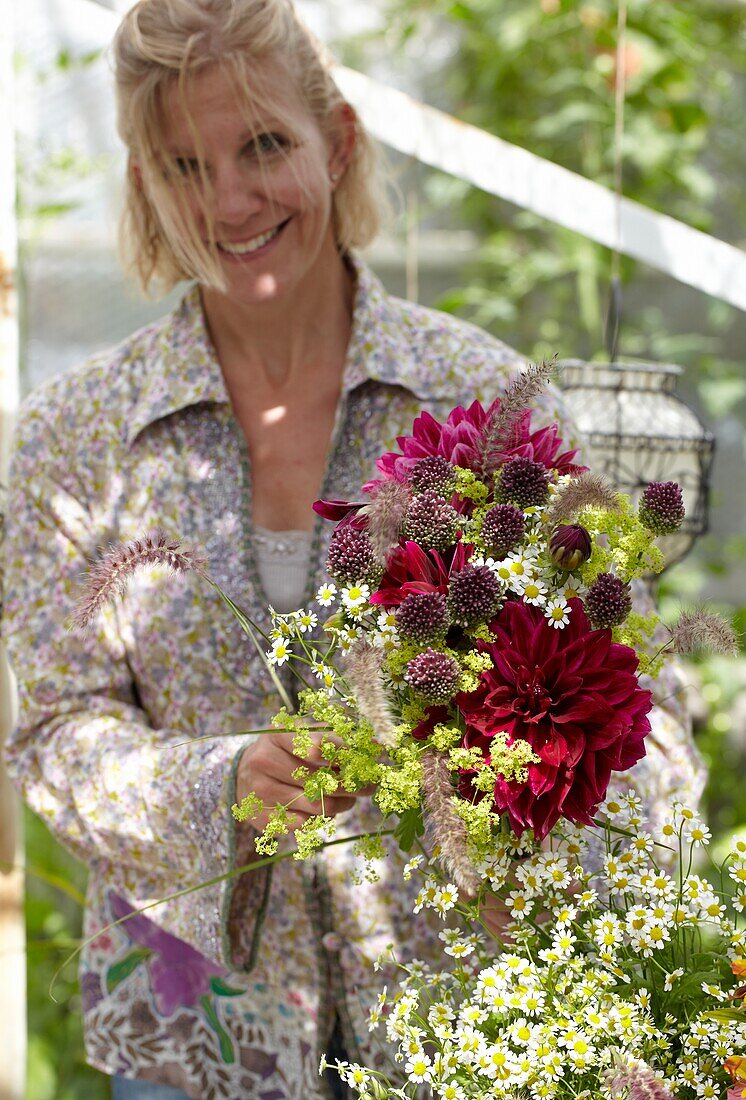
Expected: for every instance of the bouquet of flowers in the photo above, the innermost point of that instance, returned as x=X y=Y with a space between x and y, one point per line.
x=479 y=669
x=481 y=658
x=614 y=980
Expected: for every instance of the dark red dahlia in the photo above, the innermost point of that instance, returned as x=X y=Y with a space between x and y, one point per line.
x=573 y=694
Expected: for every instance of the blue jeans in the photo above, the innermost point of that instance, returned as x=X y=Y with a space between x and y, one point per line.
x=128 y=1088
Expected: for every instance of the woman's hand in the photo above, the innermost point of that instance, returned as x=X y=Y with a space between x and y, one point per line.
x=266 y=770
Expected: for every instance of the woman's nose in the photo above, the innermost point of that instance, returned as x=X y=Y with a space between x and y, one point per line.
x=236 y=197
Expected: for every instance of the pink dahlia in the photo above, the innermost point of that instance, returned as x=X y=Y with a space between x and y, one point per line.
x=573 y=694
x=460 y=441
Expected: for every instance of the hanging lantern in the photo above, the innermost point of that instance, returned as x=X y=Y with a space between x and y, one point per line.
x=636 y=430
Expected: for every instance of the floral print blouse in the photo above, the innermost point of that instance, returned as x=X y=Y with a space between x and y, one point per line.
x=128 y=735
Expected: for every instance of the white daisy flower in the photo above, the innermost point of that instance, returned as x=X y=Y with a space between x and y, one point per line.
x=326 y=595
x=535 y=593
x=355 y=595
x=280 y=652
x=306 y=620
x=557 y=613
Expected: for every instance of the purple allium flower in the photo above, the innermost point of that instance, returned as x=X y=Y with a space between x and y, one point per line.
x=608 y=601
x=423 y=617
x=434 y=474
x=503 y=528
x=431 y=523
x=523 y=482
x=570 y=546
x=351 y=557
x=661 y=507
x=474 y=595
x=433 y=675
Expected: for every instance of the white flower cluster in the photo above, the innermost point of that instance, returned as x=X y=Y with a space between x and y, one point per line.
x=626 y=965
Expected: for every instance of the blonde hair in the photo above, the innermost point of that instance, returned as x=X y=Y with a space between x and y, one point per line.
x=158 y=46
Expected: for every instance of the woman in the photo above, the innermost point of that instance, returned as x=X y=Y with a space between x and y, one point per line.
x=280 y=377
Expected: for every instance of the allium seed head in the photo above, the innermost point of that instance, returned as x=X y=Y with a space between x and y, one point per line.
x=433 y=675
x=608 y=601
x=423 y=617
x=474 y=596
x=503 y=528
x=351 y=556
x=569 y=546
x=434 y=474
x=661 y=508
x=431 y=522
x=523 y=482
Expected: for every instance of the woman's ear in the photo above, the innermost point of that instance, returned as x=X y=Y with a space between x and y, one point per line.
x=136 y=172
x=343 y=138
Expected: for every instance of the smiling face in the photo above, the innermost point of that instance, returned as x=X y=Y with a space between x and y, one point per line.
x=254 y=185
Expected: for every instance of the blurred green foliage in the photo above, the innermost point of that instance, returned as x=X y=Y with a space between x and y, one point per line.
x=55 y=885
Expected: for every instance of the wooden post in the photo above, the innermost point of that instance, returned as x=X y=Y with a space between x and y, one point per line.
x=12 y=944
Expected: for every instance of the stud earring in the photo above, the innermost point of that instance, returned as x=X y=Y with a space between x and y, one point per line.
x=333 y=177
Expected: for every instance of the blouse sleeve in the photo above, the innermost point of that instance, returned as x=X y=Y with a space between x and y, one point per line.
x=152 y=804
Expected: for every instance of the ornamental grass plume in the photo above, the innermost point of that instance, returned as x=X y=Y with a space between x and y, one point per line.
x=363 y=672
x=385 y=515
x=519 y=395
x=703 y=629
x=636 y=1081
x=449 y=831
x=586 y=491
x=108 y=577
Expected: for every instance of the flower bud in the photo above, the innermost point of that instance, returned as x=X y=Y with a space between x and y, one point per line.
x=335 y=621
x=570 y=546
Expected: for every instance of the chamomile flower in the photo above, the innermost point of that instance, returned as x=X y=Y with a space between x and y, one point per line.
x=326 y=595
x=355 y=596
x=418 y=1069
x=326 y=675
x=280 y=652
x=572 y=589
x=386 y=620
x=670 y=979
x=445 y=899
x=557 y=612
x=535 y=593
x=697 y=833
x=451 y=1090
x=306 y=620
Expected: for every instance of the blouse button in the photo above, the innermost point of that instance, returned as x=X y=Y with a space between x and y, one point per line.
x=330 y=941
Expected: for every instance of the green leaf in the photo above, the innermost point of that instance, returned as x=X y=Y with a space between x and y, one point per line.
x=118 y=971
x=222 y=989
x=227 y=1052
x=409 y=828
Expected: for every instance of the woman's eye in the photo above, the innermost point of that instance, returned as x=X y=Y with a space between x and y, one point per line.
x=266 y=144
x=188 y=166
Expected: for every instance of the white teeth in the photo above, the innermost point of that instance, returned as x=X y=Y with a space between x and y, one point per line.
x=250 y=246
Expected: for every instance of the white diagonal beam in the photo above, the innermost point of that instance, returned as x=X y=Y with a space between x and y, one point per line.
x=547 y=189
